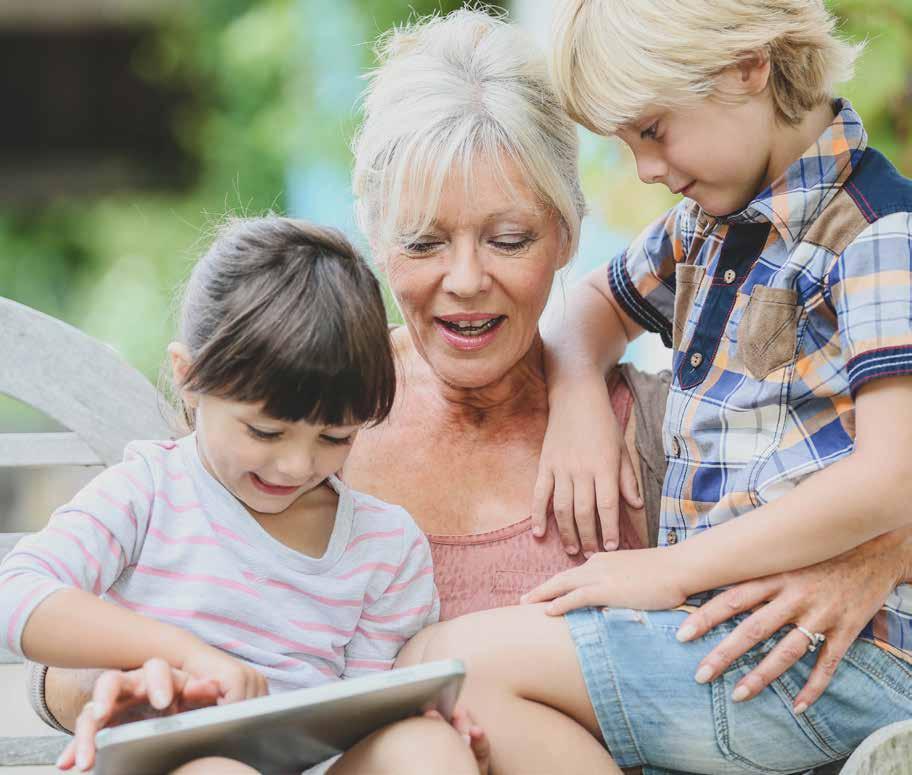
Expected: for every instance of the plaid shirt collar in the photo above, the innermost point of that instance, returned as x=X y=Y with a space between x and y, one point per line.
x=800 y=194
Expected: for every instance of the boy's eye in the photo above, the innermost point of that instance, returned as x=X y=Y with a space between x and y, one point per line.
x=338 y=440
x=650 y=132
x=263 y=435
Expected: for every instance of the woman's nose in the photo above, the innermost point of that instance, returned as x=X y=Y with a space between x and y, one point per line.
x=466 y=275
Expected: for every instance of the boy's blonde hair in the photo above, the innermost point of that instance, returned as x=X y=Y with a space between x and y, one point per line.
x=450 y=91
x=613 y=59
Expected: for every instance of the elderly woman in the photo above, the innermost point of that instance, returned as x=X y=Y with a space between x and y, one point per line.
x=468 y=191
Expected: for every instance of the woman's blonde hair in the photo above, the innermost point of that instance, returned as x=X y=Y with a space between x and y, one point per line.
x=447 y=92
x=613 y=59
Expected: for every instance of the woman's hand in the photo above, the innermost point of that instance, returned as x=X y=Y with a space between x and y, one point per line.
x=636 y=578
x=836 y=597
x=584 y=470
x=155 y=689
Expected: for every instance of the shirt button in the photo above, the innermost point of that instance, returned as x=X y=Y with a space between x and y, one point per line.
x=696 y=359
x=729 y=276
x=671 y=537
x=675 y=447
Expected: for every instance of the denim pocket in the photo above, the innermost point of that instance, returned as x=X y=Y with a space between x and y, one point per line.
x=764 y=734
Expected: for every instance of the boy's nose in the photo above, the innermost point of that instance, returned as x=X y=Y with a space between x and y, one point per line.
x=651 y=168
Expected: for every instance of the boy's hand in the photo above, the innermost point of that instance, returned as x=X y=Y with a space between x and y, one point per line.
x=636 y=578
x=473 y=734
x=119 y=697
x=236 y=680
x=584 y=469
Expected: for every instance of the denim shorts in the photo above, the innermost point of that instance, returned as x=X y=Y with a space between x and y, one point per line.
x=653 y=714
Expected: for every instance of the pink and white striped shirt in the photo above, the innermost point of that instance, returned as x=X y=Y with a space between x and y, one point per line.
x=160 y=535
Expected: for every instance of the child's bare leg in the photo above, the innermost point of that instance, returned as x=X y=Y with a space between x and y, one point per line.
x=214 y=765
x=525 y=689
x=417 y=745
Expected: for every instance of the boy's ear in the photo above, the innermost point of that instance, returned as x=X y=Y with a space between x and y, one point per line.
x=179 y=356
x=754 y=72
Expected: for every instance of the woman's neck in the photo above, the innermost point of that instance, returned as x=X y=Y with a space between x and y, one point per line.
x=521 y=392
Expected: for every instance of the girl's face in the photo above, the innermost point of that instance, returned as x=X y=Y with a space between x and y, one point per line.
x=472 y=287
x=267 y=464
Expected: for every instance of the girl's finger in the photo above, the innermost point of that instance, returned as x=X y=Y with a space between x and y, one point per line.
x=67 y=756
x=577 y=598
x=831 y=653
x=562 y=505
x=159 y=680
x=84 y=738
x=557 y=585
x=541 y=499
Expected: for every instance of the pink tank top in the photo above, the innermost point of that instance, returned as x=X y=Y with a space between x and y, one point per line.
x=493 y=569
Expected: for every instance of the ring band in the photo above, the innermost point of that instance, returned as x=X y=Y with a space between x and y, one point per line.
x=815 y=638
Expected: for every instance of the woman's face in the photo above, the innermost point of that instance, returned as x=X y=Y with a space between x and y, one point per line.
x=473 y=286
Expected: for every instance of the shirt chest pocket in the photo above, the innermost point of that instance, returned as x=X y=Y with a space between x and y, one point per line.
x=768 y=331
x=687 y=283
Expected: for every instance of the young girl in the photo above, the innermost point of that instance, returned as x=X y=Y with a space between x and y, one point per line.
x=235 y=553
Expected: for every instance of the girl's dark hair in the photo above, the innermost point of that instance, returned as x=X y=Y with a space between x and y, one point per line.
x=287 y=314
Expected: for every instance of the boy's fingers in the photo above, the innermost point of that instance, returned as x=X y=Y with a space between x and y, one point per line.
x=562 y=504
x=629 y=486
x=606 y=496
x=584 y=515
x=541 y=498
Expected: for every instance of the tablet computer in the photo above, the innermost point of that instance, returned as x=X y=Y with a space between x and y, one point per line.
x=281 y=733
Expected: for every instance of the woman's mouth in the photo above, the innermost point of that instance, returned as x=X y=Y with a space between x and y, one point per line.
x=272 y=489
x=470 y=333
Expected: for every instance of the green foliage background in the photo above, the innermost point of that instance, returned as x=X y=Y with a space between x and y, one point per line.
x=110 y=266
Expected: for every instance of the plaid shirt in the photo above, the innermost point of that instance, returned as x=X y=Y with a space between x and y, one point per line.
x=777 y=315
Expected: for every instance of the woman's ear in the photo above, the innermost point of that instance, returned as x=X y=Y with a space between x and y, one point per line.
x=179 y=356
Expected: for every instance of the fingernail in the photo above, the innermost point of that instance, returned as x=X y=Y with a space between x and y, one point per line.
x=587 y=555
x=82 y=760
x=468 y=739
x=98 y=711
x=610 y=546
x=703 y=674
x=685 y=633
x=159 y=699
x=800 y=708
x=740 y=694
x=522 y=599
x=572 y=549
x=537 y=532
x=59 y=761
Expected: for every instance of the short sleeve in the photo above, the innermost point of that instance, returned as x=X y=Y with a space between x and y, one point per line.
x=407 y=605
x=642 y=278
x=870 y=290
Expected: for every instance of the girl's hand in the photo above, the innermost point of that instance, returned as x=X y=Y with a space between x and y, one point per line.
x=584 y=470
x=119 y=697
x=635 y=578
x=836 y=597
x=236 y=680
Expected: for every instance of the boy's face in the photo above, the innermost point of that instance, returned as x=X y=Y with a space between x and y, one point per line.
x=716 y=153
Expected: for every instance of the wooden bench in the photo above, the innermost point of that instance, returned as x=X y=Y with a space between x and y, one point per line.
x=102 y=401
x=105 y=403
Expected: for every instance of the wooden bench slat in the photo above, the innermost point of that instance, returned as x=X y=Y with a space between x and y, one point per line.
x=19 y=450
x=31 y=751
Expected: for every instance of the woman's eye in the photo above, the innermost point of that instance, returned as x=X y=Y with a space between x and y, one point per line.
x=263 y=435
x=511 y=244
x=422 y=247
x=338 y=441
x=650 y=132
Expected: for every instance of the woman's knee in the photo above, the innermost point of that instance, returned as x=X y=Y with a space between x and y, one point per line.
x=215 y=765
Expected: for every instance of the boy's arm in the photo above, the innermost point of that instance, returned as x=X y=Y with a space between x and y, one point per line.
x=836 y=509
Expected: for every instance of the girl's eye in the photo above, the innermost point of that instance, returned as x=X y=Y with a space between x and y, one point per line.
x=511 y=245
x=263 y=435
x=650 y=132
x=338 y=441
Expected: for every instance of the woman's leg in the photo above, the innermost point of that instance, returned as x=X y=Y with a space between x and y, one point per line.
x=524 y=687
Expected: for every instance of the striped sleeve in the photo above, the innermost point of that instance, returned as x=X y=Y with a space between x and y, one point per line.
x=642 y=278
x=86 y=544
x=870 y=289
x=408 y=604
